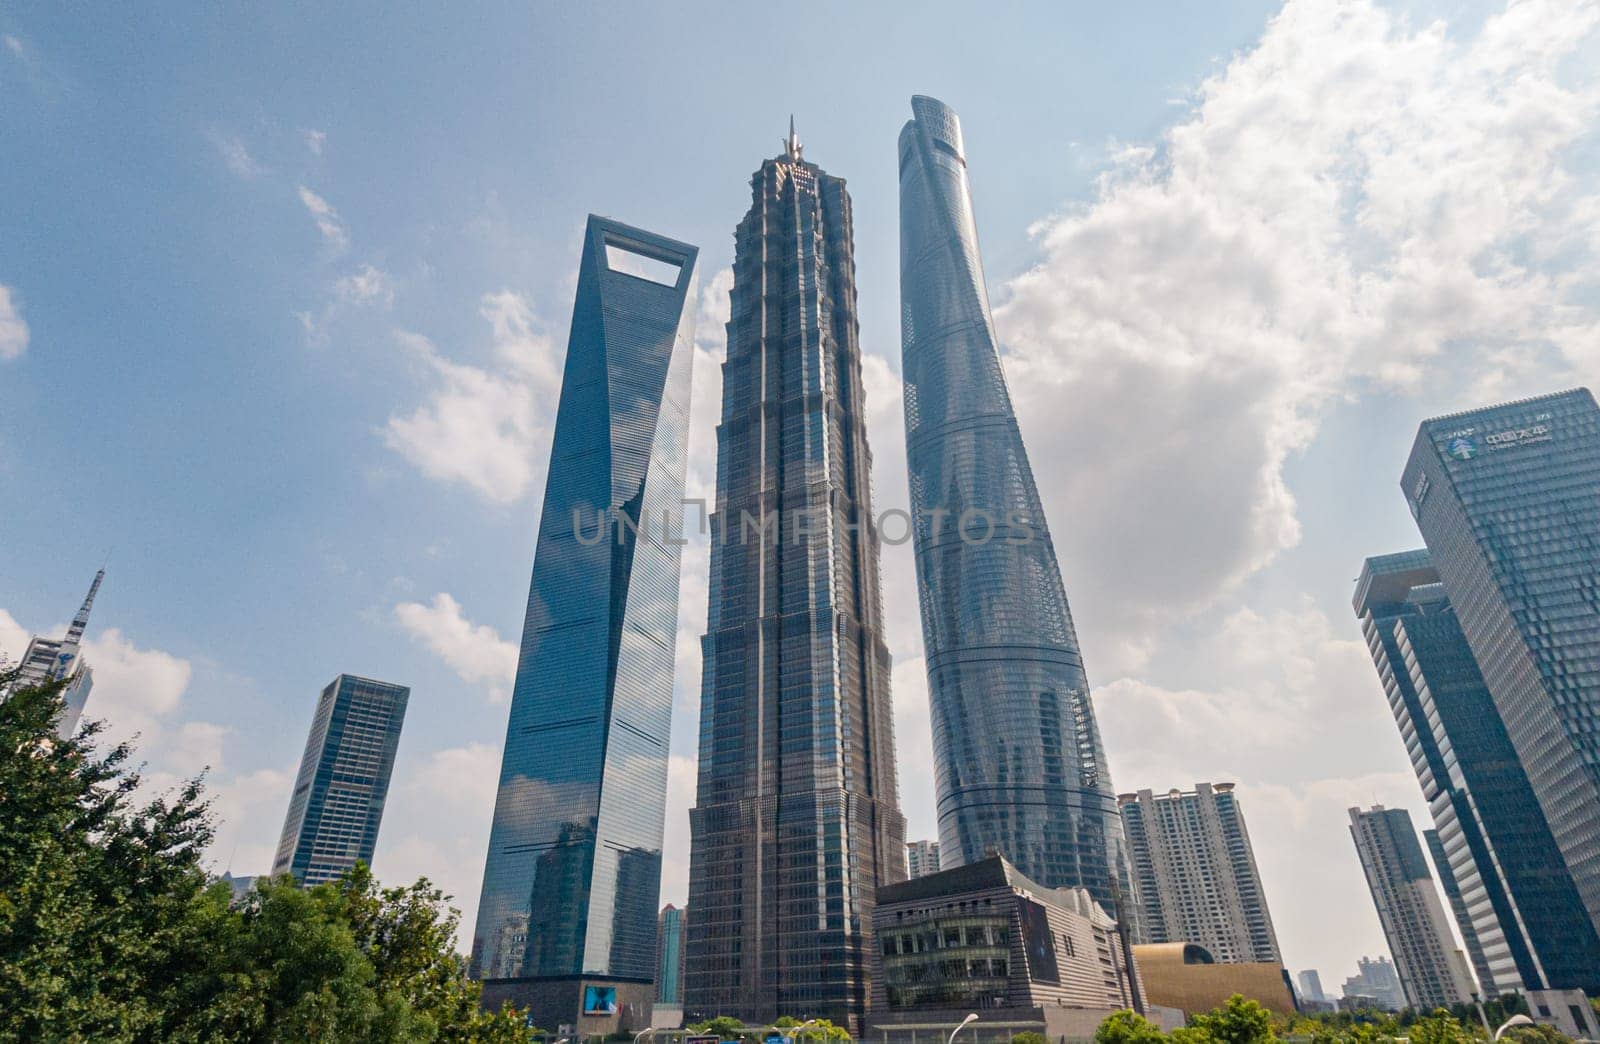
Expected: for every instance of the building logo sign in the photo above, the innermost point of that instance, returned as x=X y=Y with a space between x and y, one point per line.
x=1419 y=493
x=1518 y=436
x=1463 y=447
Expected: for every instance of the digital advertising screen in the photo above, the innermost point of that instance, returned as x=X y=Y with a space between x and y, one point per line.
x=599 y=1000
x=1040 y=944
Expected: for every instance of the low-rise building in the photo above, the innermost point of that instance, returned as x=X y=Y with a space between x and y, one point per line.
x=1184 y=975
x=984 y=939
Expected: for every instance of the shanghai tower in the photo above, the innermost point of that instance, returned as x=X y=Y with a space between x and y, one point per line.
x=1018 y=762
x=797 y=819
x=567 y=921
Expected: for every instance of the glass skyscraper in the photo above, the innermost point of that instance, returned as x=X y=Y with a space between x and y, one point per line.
x=567 y=919
x=343 y=781
x=1518 y=910
x=1432 y=971
x=797 y=820
x=1508 y=502
x=1018 y=760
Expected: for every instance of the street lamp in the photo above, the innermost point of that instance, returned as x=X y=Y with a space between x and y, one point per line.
x=1513 y=1021
x=643 y=1033
x=969 y=1020
x=795 y=1031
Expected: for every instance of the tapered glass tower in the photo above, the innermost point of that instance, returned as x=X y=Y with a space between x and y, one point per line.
x=1019 y=765
x=797 y=820
x=567 y=922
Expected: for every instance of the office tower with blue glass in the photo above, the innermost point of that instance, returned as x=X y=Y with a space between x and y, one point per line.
x=337 y=804
x=1018 y=760
x=1508 y=502
x=797 y=818
x=1433 y=972
x=669 y=957
x=567 y=920
x=1519 y=912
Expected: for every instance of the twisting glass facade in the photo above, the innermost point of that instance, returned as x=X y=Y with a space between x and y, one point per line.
x=797 y=820
x=567 y=920
x=1508 y=501
x=1020 y=767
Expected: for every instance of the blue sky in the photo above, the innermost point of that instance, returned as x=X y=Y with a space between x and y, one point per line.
x=285 y=295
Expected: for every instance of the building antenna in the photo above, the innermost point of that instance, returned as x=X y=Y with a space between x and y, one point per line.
x=791 y=145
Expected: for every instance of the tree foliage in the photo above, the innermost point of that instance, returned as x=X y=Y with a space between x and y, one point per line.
x=1127 y=1027
x=110 y=932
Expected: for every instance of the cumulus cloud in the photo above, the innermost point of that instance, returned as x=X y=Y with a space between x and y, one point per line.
x=327 y=219
x=13 y=330
x=436 y=824
x=135 y=688
x=1347 y=202
x=13 y=639
x=487 y=429
x=476 y=652
x=367 y=285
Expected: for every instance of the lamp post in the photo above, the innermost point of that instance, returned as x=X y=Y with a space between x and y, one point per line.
x=969 y=1020
x=1477 y=1002
x=1515 y=1020
x=795 y=1032
x=643 y=1033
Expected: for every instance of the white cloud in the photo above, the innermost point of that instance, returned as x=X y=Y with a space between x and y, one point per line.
x=14 y=639
x=13 y=329
x=236 y=155
x=366 y=286
x=437 y=822
x=14 y=45
x=1348 y=203
x=476 y=652
x=682 y=773
x=487 y=429
x=327 y=219
x=315 y=141
x=135 y=689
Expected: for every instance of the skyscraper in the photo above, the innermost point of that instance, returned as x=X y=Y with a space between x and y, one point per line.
x=1508 y=502
x=339 y=792
x=922 y=858
x=51 y=659
x=669 y=957
x=1196 y=873
x=1376 y=980
x=1519 y=912
x=1433 y=972
x=573 y=874
x=797 y=819
x=1019 y=766
x=1311 y=986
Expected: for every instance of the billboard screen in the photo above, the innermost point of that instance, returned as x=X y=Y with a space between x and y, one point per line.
x=599 y=1000
x=1039 y=943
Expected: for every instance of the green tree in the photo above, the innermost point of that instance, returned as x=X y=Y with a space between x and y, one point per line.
x=1127 y=1027
x=1029 y=1037
x=1440 y=1028
x=1238 y=1021
x=109 y=932
x=724 y=1026
x=100 y=910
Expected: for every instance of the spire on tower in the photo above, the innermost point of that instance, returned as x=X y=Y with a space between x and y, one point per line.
x=80 y=623
x=791 y=144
